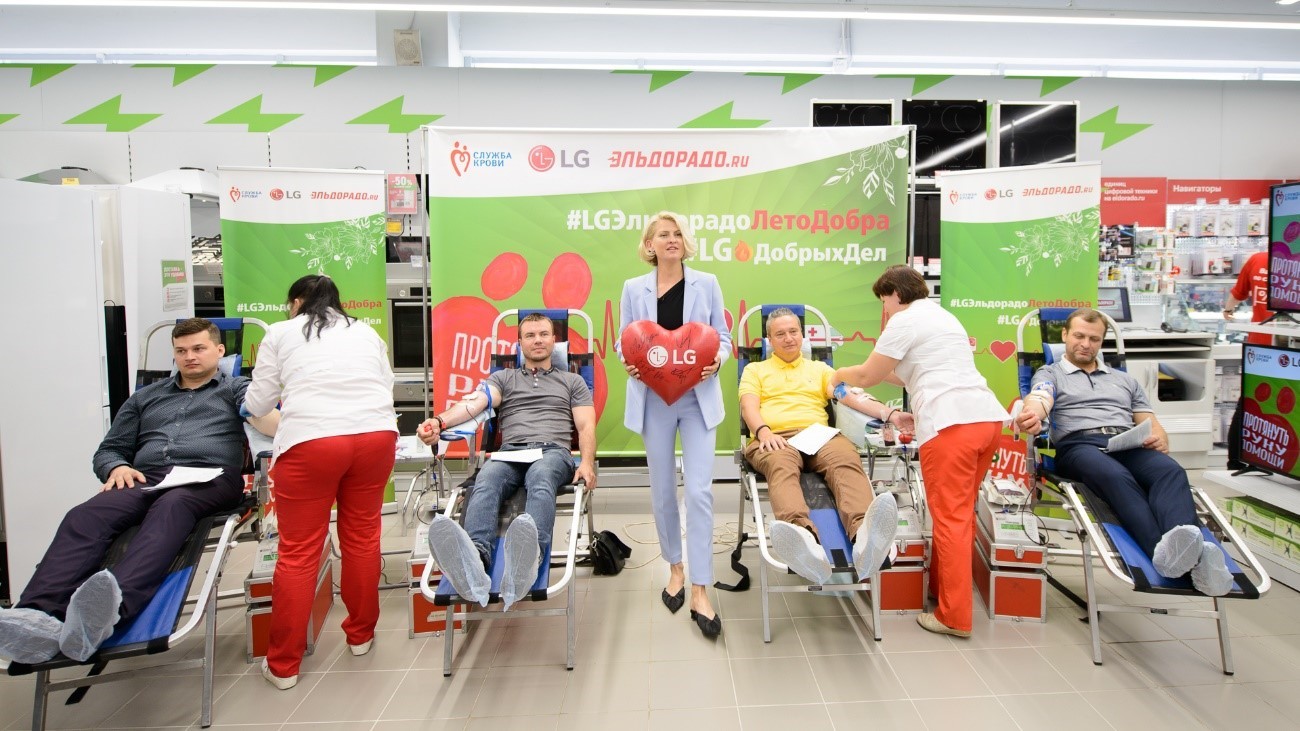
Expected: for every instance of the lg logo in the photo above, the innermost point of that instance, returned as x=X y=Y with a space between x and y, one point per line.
x=277 y=194
x=993 y=194
x=658 y=357
x=542 y=158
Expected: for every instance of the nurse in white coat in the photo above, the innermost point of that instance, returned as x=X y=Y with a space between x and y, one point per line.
x=671 y=296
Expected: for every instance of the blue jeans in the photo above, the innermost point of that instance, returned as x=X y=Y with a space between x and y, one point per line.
x=1148 y=490
x=498 y=482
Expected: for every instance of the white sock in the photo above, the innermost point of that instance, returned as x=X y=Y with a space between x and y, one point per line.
x=1178 y=551
x=92 y=612
x=522 y=558
x=28 y=636
x=458 y=559
x=1210 y=576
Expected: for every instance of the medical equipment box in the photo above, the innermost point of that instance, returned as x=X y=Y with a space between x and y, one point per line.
x=903 y=588
x=1007 y=593
x=852 y=424
x=423 y=618
x=910 y=539
x=257 y=594
x=904 y=584
x=1004 y=539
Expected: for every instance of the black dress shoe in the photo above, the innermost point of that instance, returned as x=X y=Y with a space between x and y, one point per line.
x=674 y=601
x=710 y=626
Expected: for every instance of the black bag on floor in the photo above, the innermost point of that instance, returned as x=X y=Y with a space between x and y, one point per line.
x=1234 y=438
x=608 y=553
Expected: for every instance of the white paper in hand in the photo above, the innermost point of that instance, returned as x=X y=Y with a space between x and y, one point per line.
x=1131 y=439
x=813 y=438
x=521 y=456
x=186 y=476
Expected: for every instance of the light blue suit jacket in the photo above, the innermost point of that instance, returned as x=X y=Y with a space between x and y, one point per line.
x=702 y=303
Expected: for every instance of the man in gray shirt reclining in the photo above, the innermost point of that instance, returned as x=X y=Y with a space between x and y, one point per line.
x=1149 y=491
x=538 y=405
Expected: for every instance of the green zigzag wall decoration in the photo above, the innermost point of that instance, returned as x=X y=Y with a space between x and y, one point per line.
x=390 y=113
x=181 y=72
x=110 y=115
x=1112 y=130
x=250 y=113
x=721 y=118
x=658 y=79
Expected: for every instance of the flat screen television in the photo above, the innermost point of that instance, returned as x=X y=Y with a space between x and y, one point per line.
x=1270 y=380
x=1037 y=133
x=1114 y=302
x=1284 y=249
x=950 y=135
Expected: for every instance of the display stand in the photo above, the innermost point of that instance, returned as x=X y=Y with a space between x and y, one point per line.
x=1285 y=328
x=1280 y=492
x=1186 y=416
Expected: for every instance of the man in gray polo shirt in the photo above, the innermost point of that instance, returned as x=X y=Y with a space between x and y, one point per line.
x=1148 y=490
x=538 y=406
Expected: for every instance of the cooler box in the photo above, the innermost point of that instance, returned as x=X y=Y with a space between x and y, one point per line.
x=257 y=595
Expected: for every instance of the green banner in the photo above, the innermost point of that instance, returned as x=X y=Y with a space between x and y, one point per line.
x=279 y=225
x=1013 y=240
x=789 y=216
x=1016 y=239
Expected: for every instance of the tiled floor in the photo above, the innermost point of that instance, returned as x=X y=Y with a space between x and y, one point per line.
x=638 y=667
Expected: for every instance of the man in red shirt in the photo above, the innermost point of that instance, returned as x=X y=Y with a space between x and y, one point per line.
x=1252 y=285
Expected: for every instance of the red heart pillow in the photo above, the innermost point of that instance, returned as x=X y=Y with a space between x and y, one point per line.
x=670 y=363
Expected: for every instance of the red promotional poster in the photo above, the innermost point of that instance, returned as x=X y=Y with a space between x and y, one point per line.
x=1133 y=201
x=1212 y=191
x=669 y=363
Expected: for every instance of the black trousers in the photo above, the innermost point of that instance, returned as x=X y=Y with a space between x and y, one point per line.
x=166 y=518
x=1147 y=489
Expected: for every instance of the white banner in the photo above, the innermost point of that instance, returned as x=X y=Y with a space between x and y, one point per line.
x=297 y=195
x=1019 y=193
x=479 y=162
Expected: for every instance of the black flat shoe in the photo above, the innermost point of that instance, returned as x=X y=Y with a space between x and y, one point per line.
x=711 y=627
x=674 y=602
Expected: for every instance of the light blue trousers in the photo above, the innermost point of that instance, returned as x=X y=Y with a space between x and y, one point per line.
x=659 y=431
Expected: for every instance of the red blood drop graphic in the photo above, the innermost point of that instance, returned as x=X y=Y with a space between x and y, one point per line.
x=1262 y=392
x=461 y=349
x=567 y=283
x=742 y=252
x=504 y=276
x=1285 y=400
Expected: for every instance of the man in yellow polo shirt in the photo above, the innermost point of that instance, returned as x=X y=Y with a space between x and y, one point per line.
x=781 y=396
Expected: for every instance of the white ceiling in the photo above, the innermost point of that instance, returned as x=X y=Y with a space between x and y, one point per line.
x=1230 y=39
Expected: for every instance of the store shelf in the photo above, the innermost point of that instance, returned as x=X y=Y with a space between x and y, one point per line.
x=1207 y=279
x=1288 y=329
x=1281 y=492
x=1279 y=569
x=1226 y=351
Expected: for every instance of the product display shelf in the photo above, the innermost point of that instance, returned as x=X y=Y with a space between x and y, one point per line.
x=1227 y=378
x=1280 y=492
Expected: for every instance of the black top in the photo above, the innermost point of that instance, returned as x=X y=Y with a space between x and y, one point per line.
x=671 y=305
x=164 y=424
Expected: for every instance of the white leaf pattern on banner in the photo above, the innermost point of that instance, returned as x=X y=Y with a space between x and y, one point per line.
x=876 y=165
x=348 y=242
x=1065 y=238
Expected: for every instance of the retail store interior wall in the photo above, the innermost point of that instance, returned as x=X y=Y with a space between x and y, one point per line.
x=128 y=122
